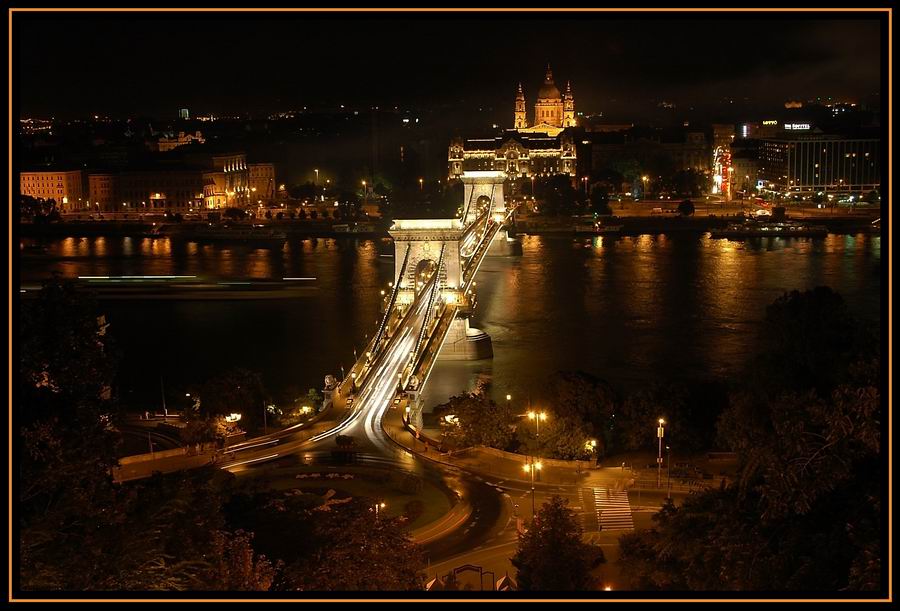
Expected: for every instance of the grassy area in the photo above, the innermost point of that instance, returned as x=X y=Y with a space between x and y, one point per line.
x=366 y=482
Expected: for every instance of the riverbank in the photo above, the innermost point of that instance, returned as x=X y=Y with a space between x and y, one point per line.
x=138 y=228
x=565 y=226
x=643 y=225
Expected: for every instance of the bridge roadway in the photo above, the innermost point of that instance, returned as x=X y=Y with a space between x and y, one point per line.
x=481 y=509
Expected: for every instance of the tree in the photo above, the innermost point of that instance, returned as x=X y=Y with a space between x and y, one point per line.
x=560 y=198
x=804 y=515
x=635 y=422
x=236 y=567
x=686 y=208
x=809 y=340
x=585 y=397
x=357 y=549
x=59 y=322
x=600 y=201
x=805 y=511
x=235 y=214
x=551 y=554
x=235 y=391
x=563 y=436
x=872 y=197
x=473 y=419
x=688 y=182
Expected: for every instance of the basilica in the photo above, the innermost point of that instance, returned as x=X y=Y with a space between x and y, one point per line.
x=552 y=112
x=543 y=149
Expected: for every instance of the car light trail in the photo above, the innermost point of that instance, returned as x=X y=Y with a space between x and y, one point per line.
x=252 y=460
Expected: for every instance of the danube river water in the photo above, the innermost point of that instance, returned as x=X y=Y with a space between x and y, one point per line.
x=627 y=309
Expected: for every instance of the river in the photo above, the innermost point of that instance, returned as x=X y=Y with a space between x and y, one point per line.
x=627 y=309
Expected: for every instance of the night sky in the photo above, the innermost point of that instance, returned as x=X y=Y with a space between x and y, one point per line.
x=131 y=65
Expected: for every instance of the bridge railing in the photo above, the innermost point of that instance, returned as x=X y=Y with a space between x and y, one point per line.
x=362 y=367
x=390 y=309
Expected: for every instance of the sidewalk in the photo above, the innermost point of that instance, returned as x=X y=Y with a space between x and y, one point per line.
x=470 y=460
x=140 y=470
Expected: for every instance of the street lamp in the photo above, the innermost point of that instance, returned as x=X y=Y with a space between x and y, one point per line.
x=532 y=467
x=660 y=431
x=420 y=184
x=317 y=177
x=668 y=474
x=537 y=417
x=645 y=179
x=379 y=507
x=352 y=381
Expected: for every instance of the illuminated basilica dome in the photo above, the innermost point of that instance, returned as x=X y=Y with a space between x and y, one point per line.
x=552 y=112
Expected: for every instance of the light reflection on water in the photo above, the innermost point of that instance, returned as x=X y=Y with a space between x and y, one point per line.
x=629 y=309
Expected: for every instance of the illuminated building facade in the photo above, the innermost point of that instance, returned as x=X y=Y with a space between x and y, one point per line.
x=262 y=182
x=226 y=181
x=545 y=148
x=812 y=163
x=519 y=155
x=64 y=187
x=167 y=143
x=722 y=175
x=157 y=190
x=553 y=111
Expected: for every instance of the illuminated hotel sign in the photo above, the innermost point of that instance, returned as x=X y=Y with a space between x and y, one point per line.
x=770 y=122
x=796 y=126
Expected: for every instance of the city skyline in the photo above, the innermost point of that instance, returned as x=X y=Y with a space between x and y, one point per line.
x=259 y=64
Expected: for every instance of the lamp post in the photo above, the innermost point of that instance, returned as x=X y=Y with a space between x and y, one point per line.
x=532 y=467
x=668 y=474
x=317 y=177
x=660 y=431
x=379 y=507
x=420 y=185
x=537 y=417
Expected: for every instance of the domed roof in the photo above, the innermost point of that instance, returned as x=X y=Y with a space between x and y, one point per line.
x=548 y=88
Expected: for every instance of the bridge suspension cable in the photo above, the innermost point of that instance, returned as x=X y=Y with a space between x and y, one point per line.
x=393 y=300
x=468 y=204
x=434 y=292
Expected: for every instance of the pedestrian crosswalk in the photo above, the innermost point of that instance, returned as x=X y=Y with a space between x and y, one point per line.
x=611 y=510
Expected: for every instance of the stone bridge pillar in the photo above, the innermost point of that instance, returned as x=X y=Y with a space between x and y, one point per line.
x=488 y=184
x=425 y=238
x=482 y=183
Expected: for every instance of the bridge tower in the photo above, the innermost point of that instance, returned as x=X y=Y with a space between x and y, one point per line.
x=483 y=183
x=488 y=184
x=425 y=238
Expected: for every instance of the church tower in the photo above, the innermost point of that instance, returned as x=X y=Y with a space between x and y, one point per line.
x=568 y=107
x=549 y=106
x=520 y=109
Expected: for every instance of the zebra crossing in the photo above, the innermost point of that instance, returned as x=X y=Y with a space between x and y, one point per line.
x=611 y=509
